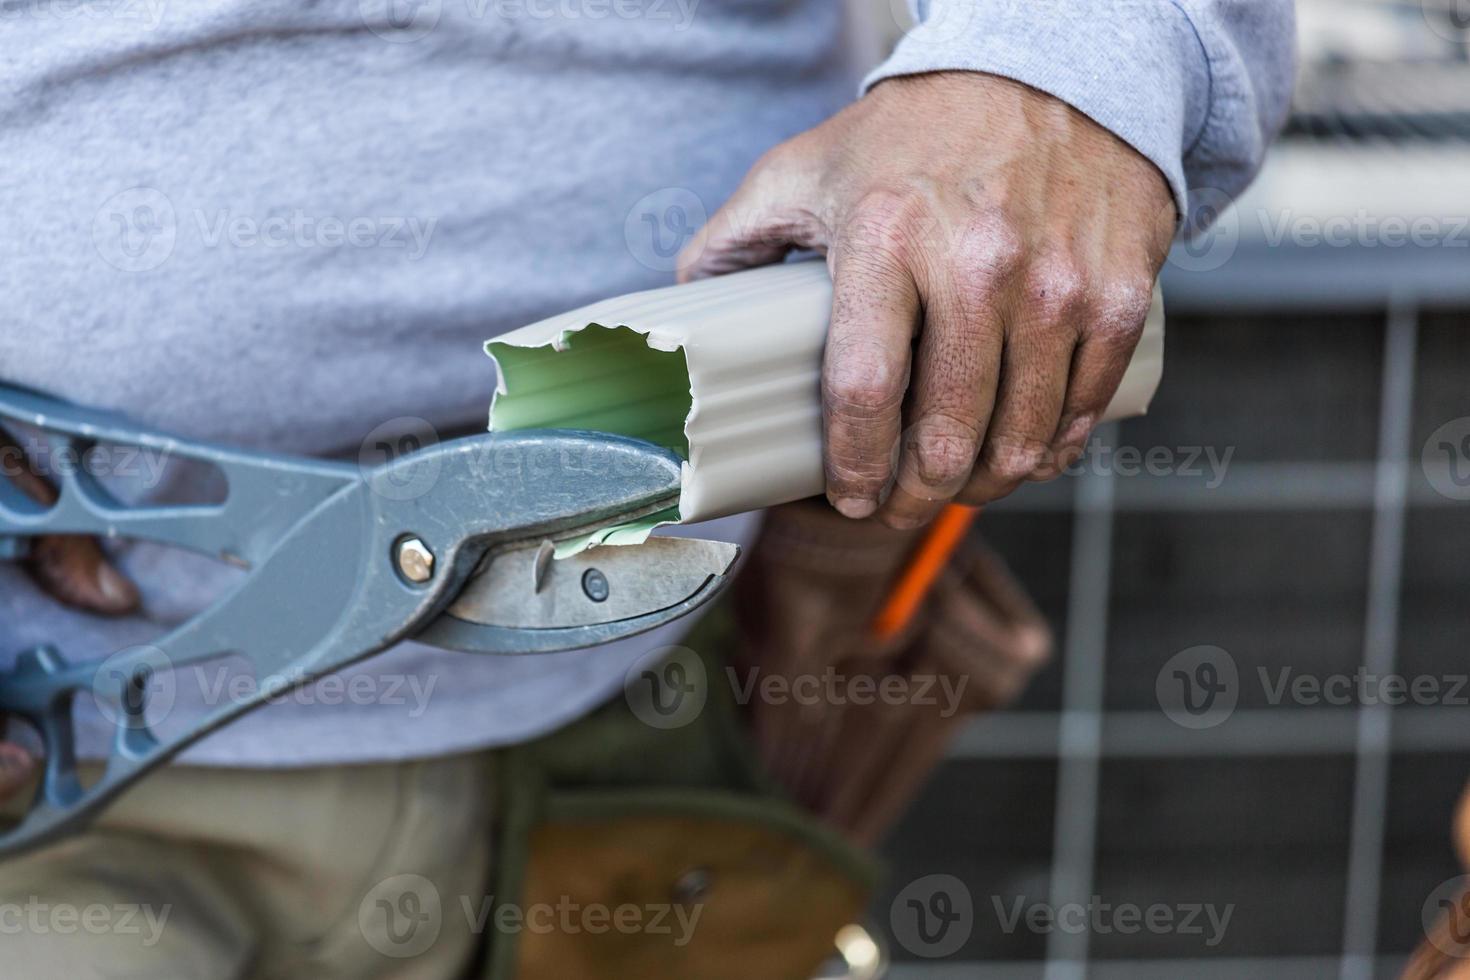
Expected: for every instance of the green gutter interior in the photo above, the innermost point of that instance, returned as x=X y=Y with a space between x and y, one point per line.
x=605 y=379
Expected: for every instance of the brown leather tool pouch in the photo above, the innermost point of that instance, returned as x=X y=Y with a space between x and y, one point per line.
x=884 y=712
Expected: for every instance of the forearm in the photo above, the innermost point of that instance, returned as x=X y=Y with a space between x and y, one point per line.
x=1197 y=86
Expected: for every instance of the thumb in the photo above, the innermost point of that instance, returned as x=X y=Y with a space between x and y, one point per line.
x=74 y=570
x=772 y=212
x=16 y=767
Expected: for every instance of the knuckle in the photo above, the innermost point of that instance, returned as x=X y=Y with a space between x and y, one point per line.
x=1055 y=289
x=1010 y=459
x=863 y=381
x=990 y=250
x=1123 y=309
x=945 y=448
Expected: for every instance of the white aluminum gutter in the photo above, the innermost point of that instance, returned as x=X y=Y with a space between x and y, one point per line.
x=742 y=404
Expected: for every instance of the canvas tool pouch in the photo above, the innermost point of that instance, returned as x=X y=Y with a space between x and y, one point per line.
x=736 y=817
x=636 y=846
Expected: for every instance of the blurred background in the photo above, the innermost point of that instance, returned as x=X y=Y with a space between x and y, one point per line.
x=1295 y=507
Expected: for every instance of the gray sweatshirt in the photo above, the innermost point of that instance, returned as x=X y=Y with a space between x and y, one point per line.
x=280 y=224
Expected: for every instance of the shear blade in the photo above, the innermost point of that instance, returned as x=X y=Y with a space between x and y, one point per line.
x=518 y=603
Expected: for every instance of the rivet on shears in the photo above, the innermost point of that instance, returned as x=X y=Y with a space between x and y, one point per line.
x=415 y=560
x=594 y=583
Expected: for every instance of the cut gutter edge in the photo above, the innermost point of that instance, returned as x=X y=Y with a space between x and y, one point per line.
x=752 y=454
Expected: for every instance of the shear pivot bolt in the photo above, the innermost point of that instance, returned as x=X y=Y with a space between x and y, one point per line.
x=594 y=584
x=415 y=560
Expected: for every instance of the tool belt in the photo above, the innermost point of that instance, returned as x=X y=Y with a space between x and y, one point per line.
x=746 y=825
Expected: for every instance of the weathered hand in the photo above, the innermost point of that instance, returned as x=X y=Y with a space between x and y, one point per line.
x=993 y=253
x=73 y=570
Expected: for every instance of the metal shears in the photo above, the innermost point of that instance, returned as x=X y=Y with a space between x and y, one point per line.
x=450 y=545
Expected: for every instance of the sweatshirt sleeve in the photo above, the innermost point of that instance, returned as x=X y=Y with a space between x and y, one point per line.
x=1199 y=87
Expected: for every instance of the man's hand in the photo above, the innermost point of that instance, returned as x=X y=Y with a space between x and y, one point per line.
x=993 y=253
x=73 y=570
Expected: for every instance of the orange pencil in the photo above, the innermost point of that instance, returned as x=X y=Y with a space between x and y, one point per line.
x=933 y=553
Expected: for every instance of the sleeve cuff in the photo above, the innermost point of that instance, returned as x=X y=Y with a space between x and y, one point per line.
x=1136 y=67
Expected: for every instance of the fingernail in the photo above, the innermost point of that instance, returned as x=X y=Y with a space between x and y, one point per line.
x=1079 y=428
x=117 y=590
x=855 y=507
